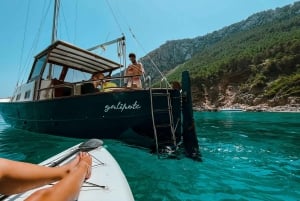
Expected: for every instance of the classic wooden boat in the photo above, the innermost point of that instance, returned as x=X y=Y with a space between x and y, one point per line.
x=107 y=180
x=53 y=101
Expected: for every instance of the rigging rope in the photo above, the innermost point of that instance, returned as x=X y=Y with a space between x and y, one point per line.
x=23 y=43
x=148 y=56
x=35 y=41
x=155 y=67
x=115 y=17
x=75 y=22
x=121 y=48
x=65 y=22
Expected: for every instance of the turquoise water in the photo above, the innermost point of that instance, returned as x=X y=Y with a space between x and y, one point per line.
x=246 y=156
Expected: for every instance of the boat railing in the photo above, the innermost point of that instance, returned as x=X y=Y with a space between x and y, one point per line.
x=147 y=82
x=75 y=88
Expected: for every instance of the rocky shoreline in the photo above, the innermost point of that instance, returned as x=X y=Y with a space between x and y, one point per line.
x=247 y=102
x=256 y=108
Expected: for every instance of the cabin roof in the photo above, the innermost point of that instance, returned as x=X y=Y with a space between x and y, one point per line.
x=66 y=54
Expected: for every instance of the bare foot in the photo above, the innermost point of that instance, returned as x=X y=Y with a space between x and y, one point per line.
x=70 y=165
x=73 y=163
x=86 y=159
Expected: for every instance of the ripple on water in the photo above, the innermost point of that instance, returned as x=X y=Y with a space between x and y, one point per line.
x=253 y=156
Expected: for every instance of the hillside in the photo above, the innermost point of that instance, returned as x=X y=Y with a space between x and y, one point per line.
x=253 y=62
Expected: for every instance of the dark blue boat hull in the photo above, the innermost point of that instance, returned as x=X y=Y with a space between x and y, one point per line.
x=102 y=115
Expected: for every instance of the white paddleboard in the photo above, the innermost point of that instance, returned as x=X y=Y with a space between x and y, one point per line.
x=107 y=182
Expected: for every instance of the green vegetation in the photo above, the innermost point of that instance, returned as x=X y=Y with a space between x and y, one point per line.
x=264 y=60
x=279 y=48
x=284 y=86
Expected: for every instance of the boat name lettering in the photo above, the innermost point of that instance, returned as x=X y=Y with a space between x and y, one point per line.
x=122 y=106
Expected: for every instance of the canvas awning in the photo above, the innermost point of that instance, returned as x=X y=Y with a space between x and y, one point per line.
x=65 y=54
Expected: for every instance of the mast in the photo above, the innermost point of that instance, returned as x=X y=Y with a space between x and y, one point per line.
x=55 y=20
x=54 y=30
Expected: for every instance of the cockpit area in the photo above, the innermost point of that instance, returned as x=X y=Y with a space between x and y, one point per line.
x=65 y=70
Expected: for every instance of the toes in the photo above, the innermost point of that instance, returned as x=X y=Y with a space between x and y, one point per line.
x=87 y=159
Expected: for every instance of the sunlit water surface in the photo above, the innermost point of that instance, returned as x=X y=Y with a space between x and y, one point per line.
x=246 y=156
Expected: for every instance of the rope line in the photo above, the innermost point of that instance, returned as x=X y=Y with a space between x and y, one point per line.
x=115 y=17
x=35 y=41
x=75 y=21
x=23 y=42
x=141 y=46
x=94 y=185
x=148 y=56
x=65 y=23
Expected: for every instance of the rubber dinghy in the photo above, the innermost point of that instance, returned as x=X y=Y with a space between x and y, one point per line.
x=107 y=181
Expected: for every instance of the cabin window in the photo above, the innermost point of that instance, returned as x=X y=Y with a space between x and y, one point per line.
x=38 y=67
x=72 y=75
x=56 y=71
x=18 y=97
x=77 y=76
x=27 y=94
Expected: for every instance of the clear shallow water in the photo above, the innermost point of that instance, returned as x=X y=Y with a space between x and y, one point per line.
x=246 y=156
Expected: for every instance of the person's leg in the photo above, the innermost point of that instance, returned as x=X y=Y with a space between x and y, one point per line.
x=69 y=187
x=17 y=177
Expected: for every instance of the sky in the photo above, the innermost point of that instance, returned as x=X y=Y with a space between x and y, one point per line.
x=26 y=26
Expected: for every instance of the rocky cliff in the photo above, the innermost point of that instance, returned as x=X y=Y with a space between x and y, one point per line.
x=253 y=62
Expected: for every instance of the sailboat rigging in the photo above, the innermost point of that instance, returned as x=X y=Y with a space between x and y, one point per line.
x=50 y=102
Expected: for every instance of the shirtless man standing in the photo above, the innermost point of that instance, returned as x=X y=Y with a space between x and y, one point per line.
x=135 y=69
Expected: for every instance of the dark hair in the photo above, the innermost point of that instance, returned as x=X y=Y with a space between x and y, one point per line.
x=132 y=55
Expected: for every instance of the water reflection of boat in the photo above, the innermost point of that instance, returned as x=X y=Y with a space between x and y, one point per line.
x=52 y=102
